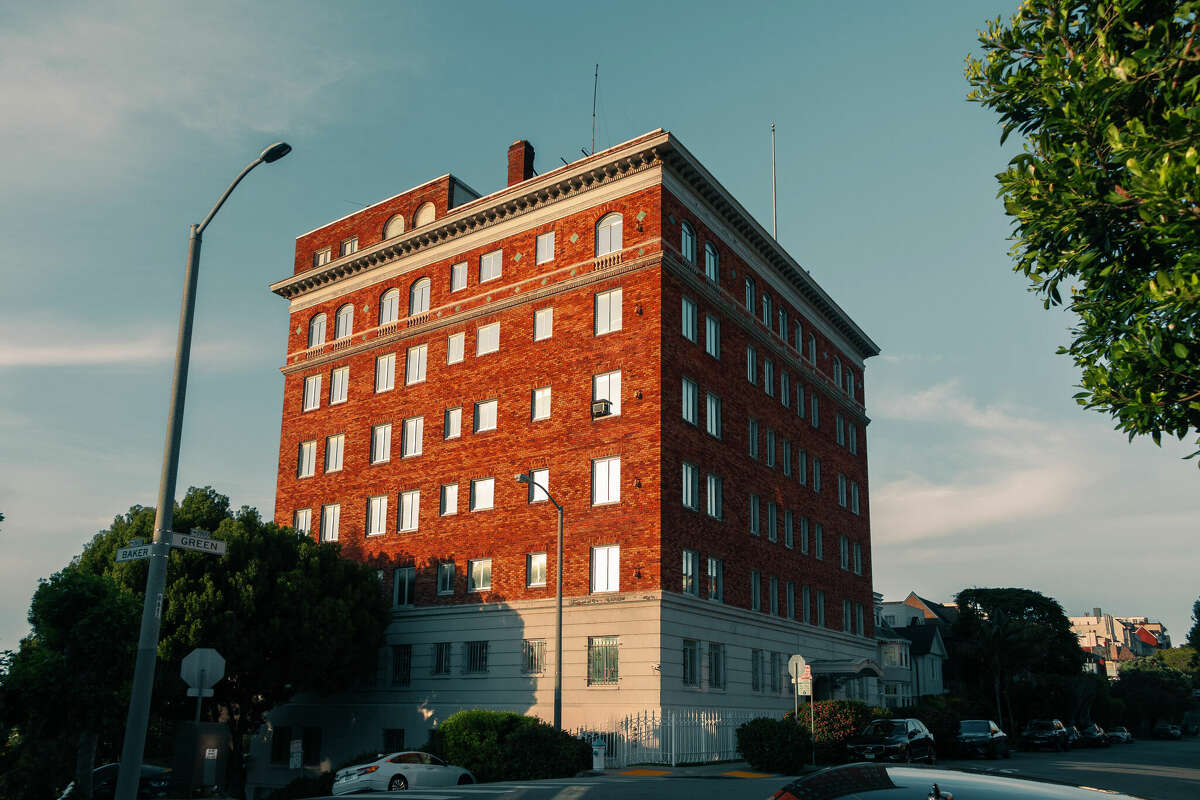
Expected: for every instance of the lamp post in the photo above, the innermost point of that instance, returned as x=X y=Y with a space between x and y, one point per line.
x=527 y=477
x=143 y=671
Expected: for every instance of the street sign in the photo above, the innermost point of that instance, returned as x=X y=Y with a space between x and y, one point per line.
x=804 y=687
x=296 y=753
x=133 y=553
x=201 y=544
x=201 y=668
x=796 y=666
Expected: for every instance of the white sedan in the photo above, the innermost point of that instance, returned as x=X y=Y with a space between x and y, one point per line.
x=399 y=771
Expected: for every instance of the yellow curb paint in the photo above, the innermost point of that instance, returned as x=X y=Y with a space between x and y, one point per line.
x=740 y=774
x=647 y=773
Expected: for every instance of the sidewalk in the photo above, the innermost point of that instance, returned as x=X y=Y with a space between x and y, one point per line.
x=727 y=769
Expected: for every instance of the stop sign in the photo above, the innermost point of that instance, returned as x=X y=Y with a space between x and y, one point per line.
x=202 y=667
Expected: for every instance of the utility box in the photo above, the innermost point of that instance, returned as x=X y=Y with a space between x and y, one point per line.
x=201 y=754
x=598 y=748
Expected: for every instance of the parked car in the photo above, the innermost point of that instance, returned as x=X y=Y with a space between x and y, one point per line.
x=1165 y=730
x=981 y=737
x=893 y=740
x=1120 y=734
x=1094 y=736
x=155 y=782
x=398 y=771
x=1072 y=736
x=1049 y=734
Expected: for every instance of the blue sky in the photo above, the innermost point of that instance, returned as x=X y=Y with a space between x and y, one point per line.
x=124 y=121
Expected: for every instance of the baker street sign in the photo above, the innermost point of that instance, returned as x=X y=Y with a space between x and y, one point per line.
x=198 y=540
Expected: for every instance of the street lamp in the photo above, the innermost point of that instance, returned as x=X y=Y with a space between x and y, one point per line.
x=527 y=477
x=143 y=671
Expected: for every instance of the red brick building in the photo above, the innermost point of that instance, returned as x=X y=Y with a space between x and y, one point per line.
x=690 y=395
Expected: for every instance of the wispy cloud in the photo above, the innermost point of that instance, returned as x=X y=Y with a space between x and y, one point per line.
x=32 y=345
x=948 y=402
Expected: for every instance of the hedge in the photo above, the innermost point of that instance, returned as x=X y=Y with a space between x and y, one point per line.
x=836 y=722
x=774 y=745
x=505 y=746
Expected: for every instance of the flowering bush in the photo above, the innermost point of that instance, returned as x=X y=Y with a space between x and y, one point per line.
x=835 y=722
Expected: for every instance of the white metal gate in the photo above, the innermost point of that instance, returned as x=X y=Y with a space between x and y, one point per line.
x=670 y=736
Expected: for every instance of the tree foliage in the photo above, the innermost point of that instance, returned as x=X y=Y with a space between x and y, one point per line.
x=1193 y=636
x=1152 y=691
x=1105 y=196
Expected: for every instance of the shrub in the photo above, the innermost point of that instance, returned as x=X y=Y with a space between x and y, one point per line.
x=502 y=745
x=941 y=714
x=837 y=721
x=539 y=751
x=774 y=745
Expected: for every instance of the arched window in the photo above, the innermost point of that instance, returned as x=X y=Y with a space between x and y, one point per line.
x=712 y=263
x=418 y=297
x=316 y=331
x=837 y=370
x=687 y=242
x=750 y=295
x=424 y=215
x=344 y=326
x=389 y=306
x=608 y=235
x=812 y=348
x=394 y=227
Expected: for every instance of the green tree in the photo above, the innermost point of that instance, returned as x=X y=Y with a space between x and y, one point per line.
x=1193 y=636
x=1152 y=691
x=67 y=686
x=1105 y=197
x=1183 y=659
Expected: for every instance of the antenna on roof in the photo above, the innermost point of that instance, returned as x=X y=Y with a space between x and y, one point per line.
x=774 y=222
x=595 y=85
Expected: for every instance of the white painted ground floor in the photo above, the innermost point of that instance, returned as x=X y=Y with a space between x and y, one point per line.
x=622 y=654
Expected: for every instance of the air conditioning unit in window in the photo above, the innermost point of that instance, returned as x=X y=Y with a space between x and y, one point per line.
x=601 y=408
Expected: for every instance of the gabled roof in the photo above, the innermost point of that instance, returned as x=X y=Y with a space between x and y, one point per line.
x=925 y=639
x=943 y=614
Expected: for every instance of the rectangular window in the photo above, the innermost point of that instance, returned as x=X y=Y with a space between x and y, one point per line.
x=776 y=671
x=770 y=448
x=688 y=324
x=712 y=335
x=854 y=497
x=715 y=503
x=476 y=657
x=441 y=658
x=414 y=364
x=485 y=415
x=376 y=515
x=602 y=660
x=804 y=535
x=839 y=423
x=716 y=665
x=449 y=499
x=772 y=522
x=691 y=662
x=691 y=486
x=859 y=622
x=545 y=247
x=769 y=377
x=782 y=327
x=844 y=548
x=385 y=372
x=445 y=577
x=535 y=569
x=818 y=541
x=458 y=277
x=414 y=433
x=479 y=575
x=754 y=518
x=539 y=486
x=766 y=309
x=533 y=656
x=690 y=401
x=691 y=568
x=487 y=339
x=716 y=579
x=751 y=365
x=712 y=415
x=322 y=257
x=800 y=400
x=773 y=595
x=842 y=490
x=857 y=558
x=482 y=493
x=755 y=590
x=608 y=311
x=789 y=529
x=750 y=295
x=302 y=521
x=339 y=385
x=381 y=443
x=802 y=467
x=543 y=324
x=606 y=480
x=410 y=509
x=816 y=410
x=789 y=599
x=785 y=457
x=540 y=405
x=805 y=604
x=452 y=425
x=756 y=670
x=331 y=519
x=401 y=664
x=816 y=475
x=606 y=568
x=404 y=586
x=312 y=392
x=752 y=437
x=847 y=616
x=350 y=246
x=821 y=607
x=608 y=387
x=785 y=389
x=490 y=265
x=306 y=460
x=456 y=345
x=853 y=439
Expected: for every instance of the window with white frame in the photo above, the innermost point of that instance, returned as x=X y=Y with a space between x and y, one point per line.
x=603 y=660
x=689 y=401
x=716 y=579
x=766 y=309
x=847 y=616
x=769 y=377
x=858 y=569
x=785 y=389
x=770 y=439
x=414 y=364
x=350 y=246
x=322 y=257
x=837 y=371
x=841 y=490
x=389 y=306
x=750 y=295
x=821 y=607
x=773 y=597
x=691 y=570
x=385 y=372
x=335 y=449
x=490 y=265
x=755 y=522
x=815 y=401
x=302 y=521
x=782 y=326
x=785 y=457
x=755 y=590
x=381 y=443
x=608 y=235
x=540 y=486
x=343 y=325
x=859 y=620
x=850 y=382
x=818 y=541
x=712 y=262
x=802 y=467
x=482 y=493
x=844 y=549
x=606 y=568
x=687 y=242
x=456 y=345
x=458 y=276
x=404 y=580
x=394 y=227
x=714 y=501
x=607 y=386
x=606 y=480
x=376 y=515
x=448 y=505
x=316 y=331
x=806 y=604
x=688 y=319
x=816 y=475
x=751 y=365
x=691 y=486
x=804 y=535
x=854 y=497
x=306 y=460
x=772 y=522
x=445 y=584
x=479 y=576
x=339 y=385
x=608 y=311
x=487 y=339
x=414 y=434
x=800 y=408
x=752 y=437
x=452 y=423
x=789 y=529
x=535 y=569
x=540 y=405
x=331 y=519
x=839 y=425
x=712 y=415
x=410 y=509
x=691 y=662
x=812 y=348
x=543 y=324
x=485 y=415
x=545 y=247
x=418 y=297
x=712 y=335
x=853 y=439
x=789 y=598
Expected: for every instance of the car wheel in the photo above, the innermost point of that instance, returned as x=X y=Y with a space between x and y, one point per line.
x=464 y=779
x=398 y=783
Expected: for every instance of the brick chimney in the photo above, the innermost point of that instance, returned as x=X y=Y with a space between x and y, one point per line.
x=520 y=161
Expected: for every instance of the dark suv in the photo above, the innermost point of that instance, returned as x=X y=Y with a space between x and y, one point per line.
x=1046 y=734
x=893 y=740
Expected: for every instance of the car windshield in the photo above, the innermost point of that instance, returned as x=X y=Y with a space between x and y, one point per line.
x=1040 y=725
x=973 y=726
x=884 y=727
